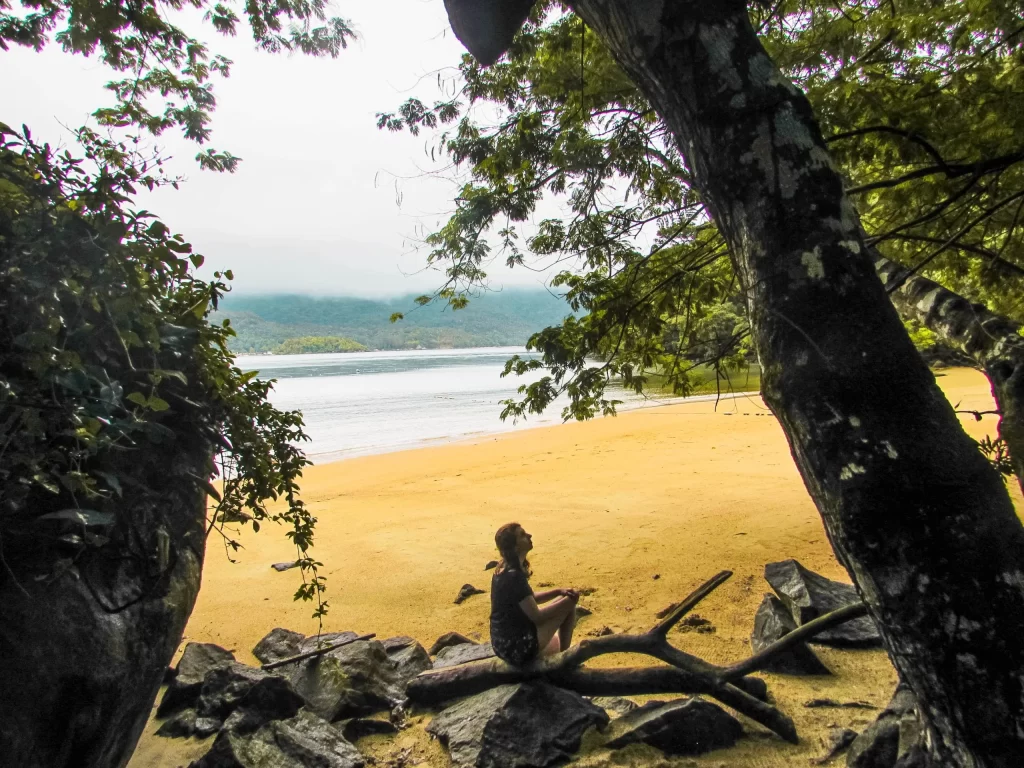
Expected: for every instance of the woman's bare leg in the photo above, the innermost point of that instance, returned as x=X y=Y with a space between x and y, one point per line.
x=565 y=630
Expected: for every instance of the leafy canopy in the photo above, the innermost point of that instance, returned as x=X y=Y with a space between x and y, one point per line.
x=164 y=73
x=922 y=104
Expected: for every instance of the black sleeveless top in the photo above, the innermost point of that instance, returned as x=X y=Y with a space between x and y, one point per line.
x=513 y=635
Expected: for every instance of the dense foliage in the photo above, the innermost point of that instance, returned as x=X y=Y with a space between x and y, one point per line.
x=313 y=344
x=106 y=349
x=494 y=319
x=922 y=106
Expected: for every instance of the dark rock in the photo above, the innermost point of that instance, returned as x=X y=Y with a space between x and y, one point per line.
x=816 y=703
x=755 y=686
x=358 y=727
x=281 y=567
x=449 y=639
x=460 y=654
x=283 y=643
x=491 y=564
x=409 y=657
x=839 y=740
x=601 y=632
x=354 y=680
x=304 y=741
x=396 y=643
x=278 y=644
x=467 y=591
x=528 y=725
x=895 y=734
x=245 y=697
x=224 y=687
x=772 y=622
x=616 y=704
x=807 y=596
x=86 y=641
x=179 y=726
x=682 y=727
x=195 y=662
x=272 y=698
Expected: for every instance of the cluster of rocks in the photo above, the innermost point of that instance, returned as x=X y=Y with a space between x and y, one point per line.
x=802 y=596
x=309 y=712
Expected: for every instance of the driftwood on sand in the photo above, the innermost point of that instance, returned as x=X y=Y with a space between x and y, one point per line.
x=685 y=674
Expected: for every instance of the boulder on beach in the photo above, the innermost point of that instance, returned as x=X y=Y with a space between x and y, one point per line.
x=301 y=741
x=354 y=680
x=688 y=726
x=183 y=689
x=893 y=738
x=527 y=725
x=772 y=622
x=410 y=658
x=808 y=595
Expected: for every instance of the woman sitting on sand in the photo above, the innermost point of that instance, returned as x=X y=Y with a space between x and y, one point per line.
x=522 y=630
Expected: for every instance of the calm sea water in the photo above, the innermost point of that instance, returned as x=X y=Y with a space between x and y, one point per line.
x=374 y=402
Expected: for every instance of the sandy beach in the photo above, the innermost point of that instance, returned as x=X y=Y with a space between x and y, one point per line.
x=641 y=508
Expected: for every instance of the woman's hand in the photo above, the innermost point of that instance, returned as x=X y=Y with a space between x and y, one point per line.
x=572 y=594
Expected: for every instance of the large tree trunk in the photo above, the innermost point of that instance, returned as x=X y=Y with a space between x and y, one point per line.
x=919 y=518
x=991 y=340
x=86 y=634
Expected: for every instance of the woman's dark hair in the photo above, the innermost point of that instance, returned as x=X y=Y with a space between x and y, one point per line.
x=506 y=538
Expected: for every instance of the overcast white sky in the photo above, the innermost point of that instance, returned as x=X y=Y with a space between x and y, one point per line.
x=313 y=207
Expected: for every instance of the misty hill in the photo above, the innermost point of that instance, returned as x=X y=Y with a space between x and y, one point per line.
x=503 y=318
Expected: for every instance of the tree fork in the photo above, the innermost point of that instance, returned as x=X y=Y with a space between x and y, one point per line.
x=991 y=340
x=913 y=510
x=688 y=674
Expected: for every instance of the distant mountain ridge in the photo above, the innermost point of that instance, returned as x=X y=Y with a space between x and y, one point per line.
x=506 y=318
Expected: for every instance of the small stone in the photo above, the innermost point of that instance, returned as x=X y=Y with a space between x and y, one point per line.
x=467 y=591
x=581 y=612
x=602 y=632
x=280 y=567
x=491 y=564
x=656 y=576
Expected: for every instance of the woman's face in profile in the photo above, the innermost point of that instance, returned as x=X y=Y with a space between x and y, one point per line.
x=524 y=542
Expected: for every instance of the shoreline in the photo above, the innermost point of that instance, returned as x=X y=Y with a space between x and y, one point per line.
x=335 y=457
x=641 y=508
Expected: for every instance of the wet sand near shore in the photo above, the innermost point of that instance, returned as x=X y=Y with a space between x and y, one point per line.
x=641 y=508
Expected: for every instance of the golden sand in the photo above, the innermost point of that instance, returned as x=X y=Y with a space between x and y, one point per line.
x=642 y=508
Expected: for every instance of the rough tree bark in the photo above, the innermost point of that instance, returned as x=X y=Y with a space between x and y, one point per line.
x=991 y=340
x=913 y=510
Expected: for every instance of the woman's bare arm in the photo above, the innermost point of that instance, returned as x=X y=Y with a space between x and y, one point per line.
x=551 y=609
x=548 y=594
